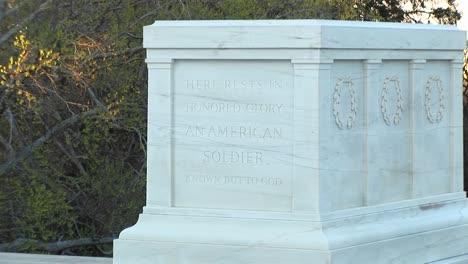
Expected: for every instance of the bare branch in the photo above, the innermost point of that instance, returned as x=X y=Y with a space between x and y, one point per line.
x=103 y=55
x=131 y=35
x=96 y=101
x=73 y=157
x=11 y=122
x=54 y=246
x=7 y=145
x=8 y=12
x=185 y=9
x=19 y=26
x=28 y=150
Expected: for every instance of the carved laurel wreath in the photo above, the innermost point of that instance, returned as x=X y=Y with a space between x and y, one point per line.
x=395 y=118
x=350 y=118
x=439 y=115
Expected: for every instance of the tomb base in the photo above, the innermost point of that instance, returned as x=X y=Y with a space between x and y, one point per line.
x=412 y=231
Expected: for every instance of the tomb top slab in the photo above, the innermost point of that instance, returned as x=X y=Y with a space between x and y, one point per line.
x=301 y=34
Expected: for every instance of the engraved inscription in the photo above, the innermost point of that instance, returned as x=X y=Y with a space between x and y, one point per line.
x=232 y=180
x=347 y=119
x=434 y=85
x=230 y=85
x=391 y=94
x=230 y=131
x=233 y=108
x=233 y=157
x=233 y=134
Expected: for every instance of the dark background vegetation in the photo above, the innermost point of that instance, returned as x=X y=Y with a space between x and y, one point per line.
x=73 y=107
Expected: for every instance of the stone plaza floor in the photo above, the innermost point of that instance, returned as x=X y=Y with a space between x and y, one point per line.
x=15 y=258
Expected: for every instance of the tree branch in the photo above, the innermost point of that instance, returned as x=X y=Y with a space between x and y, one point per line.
x=28 y=150
x=8 y=12
x=73 y=157
x=103 y=55
x=19 y=26
x=11 y=122
x=53 y=247
x=96 y=101
x=7 y=145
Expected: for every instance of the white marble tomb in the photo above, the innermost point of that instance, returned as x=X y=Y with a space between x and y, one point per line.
x=302 y=141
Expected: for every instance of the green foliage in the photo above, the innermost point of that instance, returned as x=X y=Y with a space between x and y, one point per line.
x=89 y=179
x=73 y=104
x=45 y=210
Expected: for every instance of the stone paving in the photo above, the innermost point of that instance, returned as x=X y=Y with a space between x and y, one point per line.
x=14 y=258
